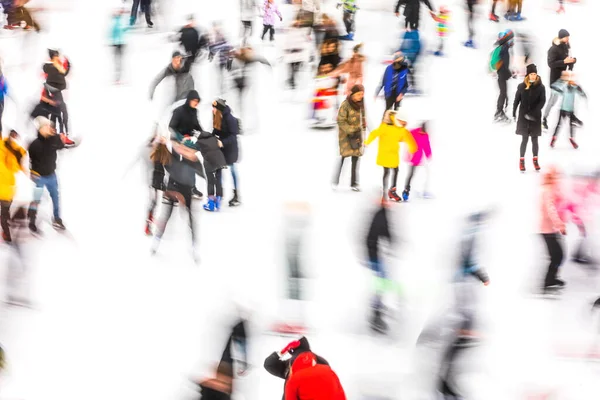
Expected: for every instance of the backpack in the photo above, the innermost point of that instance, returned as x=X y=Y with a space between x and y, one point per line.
x=495 y=59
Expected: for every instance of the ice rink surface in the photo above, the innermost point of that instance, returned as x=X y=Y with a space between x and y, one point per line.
x=112 y=322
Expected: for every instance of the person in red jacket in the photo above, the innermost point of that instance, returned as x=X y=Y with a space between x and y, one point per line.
x=312 y=381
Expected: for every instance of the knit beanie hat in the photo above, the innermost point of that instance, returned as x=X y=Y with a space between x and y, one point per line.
x=563 y=33
x=531 y=68
x=220 y=104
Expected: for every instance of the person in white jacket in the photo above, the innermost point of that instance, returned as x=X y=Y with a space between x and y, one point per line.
x=308 y=11
x=248 y=12
x=295 y=50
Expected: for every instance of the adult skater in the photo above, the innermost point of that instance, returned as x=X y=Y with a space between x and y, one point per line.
x=117 y=40
x=502 y=67
x=184 y=122
x=221 y=47
x=412 y=12
x=56 y=71
x=568 y=89
x=248 y=12
x=559 y=61
x=309 y=380
x=279 y=365
x=411 y=49
x=13 y=158
x=531 y=97
x=551 y=227
x=191 y=40
x=242 y=61
x=43 y=154
x=180 y=69
x=352 y=124
x=493 y=17
x=394 y=82
x=146 y=9
x=353 y=67
x=350 y=8
x=226 y=129
x=471 y=22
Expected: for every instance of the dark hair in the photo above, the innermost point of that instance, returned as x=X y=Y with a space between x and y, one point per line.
x=424 y=127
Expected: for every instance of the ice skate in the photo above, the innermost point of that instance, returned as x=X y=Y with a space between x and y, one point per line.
x=392 y=195
x=522 y=164
x=197 y=194
x=470 y=44
x=553 y=141
x=536 y=165
x=493 y=17
x=518 y=17
x=574 y=143
x=560 y=10
x=405 y=195
x=356 y=188
x=58 y=224
x=234 y=202
x=500 y=117
x=211 y=205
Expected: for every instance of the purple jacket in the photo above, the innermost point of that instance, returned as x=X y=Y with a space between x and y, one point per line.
x=270 y=10
x=423 y=147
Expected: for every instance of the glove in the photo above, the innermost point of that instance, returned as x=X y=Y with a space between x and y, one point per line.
x=291 y=346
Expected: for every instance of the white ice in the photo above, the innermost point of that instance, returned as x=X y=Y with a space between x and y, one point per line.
x=112 y=322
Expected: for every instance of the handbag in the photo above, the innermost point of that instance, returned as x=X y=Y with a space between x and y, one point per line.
x=356 y=139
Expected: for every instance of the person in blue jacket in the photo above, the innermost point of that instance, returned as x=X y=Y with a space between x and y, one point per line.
x=3 y=93
x=411 y=48
x=394 y=82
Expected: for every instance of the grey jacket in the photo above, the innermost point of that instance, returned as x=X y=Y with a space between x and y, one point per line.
x=184 y=82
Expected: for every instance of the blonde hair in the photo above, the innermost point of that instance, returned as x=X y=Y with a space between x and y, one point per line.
x=387 y=117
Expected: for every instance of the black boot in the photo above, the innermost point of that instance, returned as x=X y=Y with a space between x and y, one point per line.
x=377 y=322
x=31 y=215
x=235 y=201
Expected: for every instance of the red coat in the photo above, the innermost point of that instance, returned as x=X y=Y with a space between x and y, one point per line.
x=318 y=382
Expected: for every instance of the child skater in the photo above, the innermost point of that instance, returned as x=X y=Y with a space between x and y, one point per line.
x=391 y=132
x=421 y=137
x=568 y=89
x=442 y=27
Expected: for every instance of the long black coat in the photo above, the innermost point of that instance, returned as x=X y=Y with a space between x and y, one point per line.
x=228 y=136
x=532 y=101
x=556 y=59
x=412 y=8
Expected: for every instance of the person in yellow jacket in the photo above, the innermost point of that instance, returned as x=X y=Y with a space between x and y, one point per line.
x=391 y=132
x=12 y=160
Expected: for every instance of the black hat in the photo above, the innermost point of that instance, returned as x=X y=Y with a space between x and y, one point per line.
x=220 y=104
x=193 y=95
x=563 y=33
x=531 y=68
x=53 y=53
x=176 y=53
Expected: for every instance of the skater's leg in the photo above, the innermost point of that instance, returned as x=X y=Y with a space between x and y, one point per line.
x=535 y=146
x=524 y=140
x=336 y=178
x=134 y=11
x=265 y=30
x=550 y=104
x=65 y=113
x=394 y=177
x=34 y=205
x=471 y=16
x=148 y=12
x=51 y=183
x=354 y=177
x=234 y=176
x=519 y=6
x=556 y=256
x=560 y=118
x=348 y=22
x=411 y=173
x=502 y=97
x=162 y=226
x=494 y=6
x=219 y=183
x=386 y=175
x=4 y=218
x=572 y=122
x=389 y=102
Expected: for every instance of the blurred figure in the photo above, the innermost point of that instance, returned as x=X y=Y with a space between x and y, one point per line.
x=55 y=72
x=500 y=63
x=568 y=89
x=221 y=47
x=13 y=158
x=471 y=23
x=468 y=279
x=269 y=11
x=296 y=222
x=353 y=67
x=226 y=129
x=117 y=40
x=441 y=18
x=16 y=14
x=530 y=99
x=191 y=40
x=240 y=70
x=394 y=82
x=248 y=12
x=352 y=123
x=221 y=113
x=552 y=226
x=43 y=154
x=160 y=158
x=311 y=381
x=411 y=49
x=279 y=364
x=378 y=230
x=390 y=133
x=146 y=9
x=412 y=12
x=295 y=50
x=180 y=69
x=513 y=12
x=220 y=387
x=349 y=17
x=421 y=137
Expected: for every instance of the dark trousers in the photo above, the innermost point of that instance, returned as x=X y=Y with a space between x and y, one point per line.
x=146 y=8
x=294 y=68
x=386 y=175
x=449 y=364
x=470 y=18
x=271 y=30
x=535 y=147
x=214 y=182
x=556 y=257
x=63 y=121
x=118 y=49
x=349 y=22
x=411 y=173
x=1 y=112
x=503 y=96
x=354 y=178
x=412 y=24
x=181 y=192
x=391 y=101
x=494 y=6
x=572 y=119
x=5 y=217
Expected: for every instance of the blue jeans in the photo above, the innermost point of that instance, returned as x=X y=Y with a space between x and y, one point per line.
x=50 y=182
x=233 y=170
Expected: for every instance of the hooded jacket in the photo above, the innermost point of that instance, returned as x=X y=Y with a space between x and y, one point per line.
x=11 y=155
x=53 y=76
x=43 y=154
x=313 y=382
x=423 y=147
x=390 y=136
x=281 y=369
x=556 y=59
x=389 y=76
x=183 y=80
x=189 y=37
x=531 y=102
x=185 y=117
x=228 y=136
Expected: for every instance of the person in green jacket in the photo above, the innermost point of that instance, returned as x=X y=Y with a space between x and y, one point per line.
x=117 y=40
x=350 y=8
x=568 y=89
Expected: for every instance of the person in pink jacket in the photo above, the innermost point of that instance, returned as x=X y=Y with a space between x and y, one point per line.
x=353 y=67
x=552 y=226
x=421 y=137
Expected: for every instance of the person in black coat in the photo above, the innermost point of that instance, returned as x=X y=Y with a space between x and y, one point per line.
x=276 y=366
x=227 y=133
x=191 y=39
x=412 y=12
x=184 y=122
x=559 y=61
x=506 y=41
x=531 y=96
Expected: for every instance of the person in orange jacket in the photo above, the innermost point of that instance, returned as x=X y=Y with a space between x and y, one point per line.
x=12 y=160
x=312 y=381
x=391 y=132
